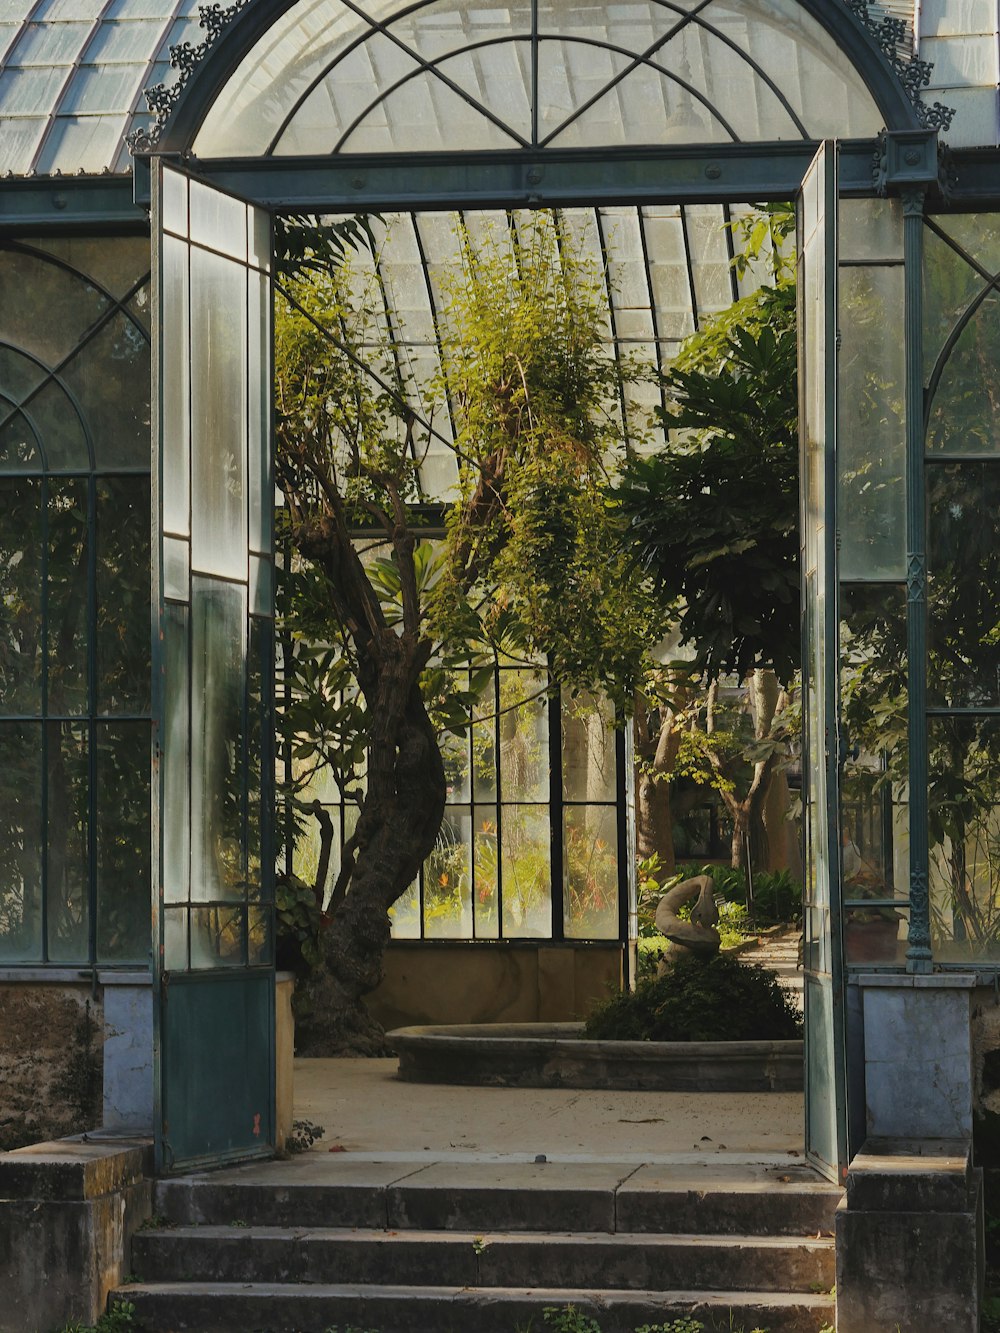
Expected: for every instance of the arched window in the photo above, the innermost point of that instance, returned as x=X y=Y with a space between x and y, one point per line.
x=74 y=597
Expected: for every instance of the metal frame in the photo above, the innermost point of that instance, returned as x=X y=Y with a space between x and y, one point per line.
x=872 y=50
x=91 y=719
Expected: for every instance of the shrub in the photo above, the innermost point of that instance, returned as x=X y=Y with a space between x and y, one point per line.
x=776 y=896
x=718 y=1000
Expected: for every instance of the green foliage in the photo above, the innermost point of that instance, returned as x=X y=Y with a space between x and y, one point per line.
x=298 y=921
x=569 y=1319
x=118 y=1319
x=533 y=544
x=304 y=1134
x=777 y=897
x=718 y=1000
x=712 y=517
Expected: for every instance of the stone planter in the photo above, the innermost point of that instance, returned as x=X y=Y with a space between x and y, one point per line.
x=555 y=1055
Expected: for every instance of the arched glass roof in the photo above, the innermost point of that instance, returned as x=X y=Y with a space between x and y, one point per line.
x=664 y=270
x=72 y=78
x=393 y=75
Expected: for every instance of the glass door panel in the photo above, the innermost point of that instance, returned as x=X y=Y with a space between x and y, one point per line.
x=214 y=966
x=824 y=1008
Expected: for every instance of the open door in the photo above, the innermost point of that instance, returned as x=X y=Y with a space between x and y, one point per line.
x=825 y=1079
x=213 y=678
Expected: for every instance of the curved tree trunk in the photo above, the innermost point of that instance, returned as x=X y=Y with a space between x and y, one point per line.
x=405 y=786
x=398 y=824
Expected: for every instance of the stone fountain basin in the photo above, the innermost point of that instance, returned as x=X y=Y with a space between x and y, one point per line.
x=556 y=1055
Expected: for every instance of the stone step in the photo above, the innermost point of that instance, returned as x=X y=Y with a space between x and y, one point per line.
x=218 y=1307
x=416 y=1258
x=314 y=1190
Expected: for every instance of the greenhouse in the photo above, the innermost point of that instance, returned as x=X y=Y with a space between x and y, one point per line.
x=161 y=162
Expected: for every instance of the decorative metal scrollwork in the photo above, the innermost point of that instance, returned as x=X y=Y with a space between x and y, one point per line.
x=186 y=58
x=891 y=35
x=895 y=40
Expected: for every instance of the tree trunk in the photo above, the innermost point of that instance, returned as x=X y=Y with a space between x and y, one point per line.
x=653 y=804
x=654 y=834
x=397 y=827
x=405 y=792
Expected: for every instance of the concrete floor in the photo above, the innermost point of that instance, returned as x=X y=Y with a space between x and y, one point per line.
x=365 y=1109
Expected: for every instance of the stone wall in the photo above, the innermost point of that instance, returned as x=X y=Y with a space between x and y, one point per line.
x=51 y=1040
x=493 y=983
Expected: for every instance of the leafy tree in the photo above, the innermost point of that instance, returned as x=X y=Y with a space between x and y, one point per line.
x=711 y=518
x=528 y=565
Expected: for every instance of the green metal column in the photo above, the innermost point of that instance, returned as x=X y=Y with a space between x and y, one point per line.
x=918 y=956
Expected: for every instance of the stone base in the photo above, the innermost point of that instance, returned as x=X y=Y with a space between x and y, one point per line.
x=67 y=1213
x=910 y=1239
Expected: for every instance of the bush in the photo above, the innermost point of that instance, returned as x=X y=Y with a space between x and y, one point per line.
x=776 y=896
x=721 y=1000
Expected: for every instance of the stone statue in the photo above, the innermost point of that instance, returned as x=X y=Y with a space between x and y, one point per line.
x=698 y=936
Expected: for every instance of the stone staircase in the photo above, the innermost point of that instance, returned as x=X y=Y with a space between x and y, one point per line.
x=485 y=1246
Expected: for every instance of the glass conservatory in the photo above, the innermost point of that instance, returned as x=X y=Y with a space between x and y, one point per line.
x=139 y=676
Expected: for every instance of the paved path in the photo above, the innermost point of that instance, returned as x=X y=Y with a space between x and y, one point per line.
x=364 y=1108
x=779 y=953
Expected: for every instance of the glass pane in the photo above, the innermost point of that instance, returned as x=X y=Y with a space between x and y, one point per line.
x=67 y=843
x=175 y=939
x=62 y=308
x=20 y=442
x=261 y=586
x=217 y=937
x=874 y=713
x=219 y=415
x=21 y=841
x=876 y=934
x=175 y=203
x=176 y=390
x=176 y=569
x=589 y=749
x=217 y=669
x=448 y=879
x=590 y=872
x=260 y=936
x=259 y=381
x=525 y=871
x=963 y=563
x=455 y=754
x=218 y=221
x=524 y=736
x=964 y=828
x=870 y=229
x=176 y=756
x=123 y=633
x=260 y=814
x=484 y=748
x=66 y=586
x=872 y=428
x=950 y=284
x=964 y=416
x=63 y=430
x=486 y=903
x=114 y=263
x=123 y=842
x=20 y=595
x=405 y=915
x=110 y=378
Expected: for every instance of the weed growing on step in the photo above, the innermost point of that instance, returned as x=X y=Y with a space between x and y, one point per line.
x=304 y=1135
x=571 y=1320
x=117 y=1320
